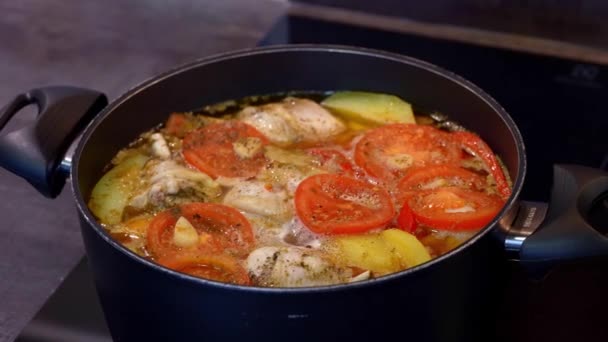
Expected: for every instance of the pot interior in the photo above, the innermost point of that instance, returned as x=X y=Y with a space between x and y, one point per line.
x=295 y=68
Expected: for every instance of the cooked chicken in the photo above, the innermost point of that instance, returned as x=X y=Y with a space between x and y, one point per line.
x=295 y=233
x=170 y=183
x=314 y=121
x=287 y=169
x=257 y=198
x=292 y=120
x=293 y=267
x=273 y=121
x=159 y=146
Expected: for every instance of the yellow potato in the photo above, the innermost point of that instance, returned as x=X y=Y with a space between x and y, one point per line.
x=111 y=194
x=389 y=251
x=370 y=107
x=367 y=251
x=411 y=252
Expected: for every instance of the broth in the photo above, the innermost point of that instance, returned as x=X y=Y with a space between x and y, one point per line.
x=299 y=189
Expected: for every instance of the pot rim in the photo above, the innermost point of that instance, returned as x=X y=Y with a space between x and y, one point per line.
x=322 y=48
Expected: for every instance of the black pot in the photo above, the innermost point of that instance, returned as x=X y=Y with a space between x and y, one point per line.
x=448 y=298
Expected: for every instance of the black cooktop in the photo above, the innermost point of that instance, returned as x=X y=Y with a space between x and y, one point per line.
x=557 y=104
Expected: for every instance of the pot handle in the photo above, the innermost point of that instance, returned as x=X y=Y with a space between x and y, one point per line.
x=576 y=224
x=35 y=151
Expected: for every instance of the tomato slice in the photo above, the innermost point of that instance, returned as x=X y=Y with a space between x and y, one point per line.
x=332 y=160
x=454 y=208
x=405 y=219
x=214 y=150
x=388 y=152
x=177 y=124
x=475 y=145
x=436 y=176
x=334 y=204
x=214 y=267
x=221 y=229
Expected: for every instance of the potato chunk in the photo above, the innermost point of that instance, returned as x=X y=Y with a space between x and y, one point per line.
x=389 y=251
x=111 y=194
x=368 y=252
x=370 y=107
x=411 y=251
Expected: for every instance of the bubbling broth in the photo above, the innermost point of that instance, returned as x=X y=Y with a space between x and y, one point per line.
x=299 y=189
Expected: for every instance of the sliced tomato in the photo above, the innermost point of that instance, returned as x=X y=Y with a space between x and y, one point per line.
x=454 y=208
x=213 y=149
x=388 y=152
x=436 y=176
x=405 y=219
x=334 y=204
x=177 y=125
x=332 y=160
x=209 y=266
x=476 y=146
x=221 y=229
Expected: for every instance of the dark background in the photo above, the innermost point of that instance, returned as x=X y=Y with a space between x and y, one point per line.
x=576 y=21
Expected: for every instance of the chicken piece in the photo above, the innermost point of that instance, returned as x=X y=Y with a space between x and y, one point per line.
x=266 y=207
x=293 y=267
x=315 y=121
x=273 y=121
x=292 y=120
x=169 y=183
x=159 y=146
x=282 y=231
x=256 y=198
x=285 y=176
x=266 y=229
x=287 y=169
x=247 y=148
x=285 y=156
x=295 y=233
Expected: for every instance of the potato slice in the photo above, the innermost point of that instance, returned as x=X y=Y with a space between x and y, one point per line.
x=411 y=252
x=390 y=251
x=111 y=194
x=367 y=251
x=370 y=107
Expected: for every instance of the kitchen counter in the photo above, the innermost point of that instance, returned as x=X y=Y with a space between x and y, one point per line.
x=111 y=46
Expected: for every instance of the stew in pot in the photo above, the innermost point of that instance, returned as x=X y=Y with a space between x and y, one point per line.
x=301 y=190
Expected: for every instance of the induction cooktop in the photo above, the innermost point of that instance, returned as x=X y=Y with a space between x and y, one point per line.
x=559 y=106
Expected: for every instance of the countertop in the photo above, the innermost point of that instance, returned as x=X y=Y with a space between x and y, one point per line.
x=111 y=46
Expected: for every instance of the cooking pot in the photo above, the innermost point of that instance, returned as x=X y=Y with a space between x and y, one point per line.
x=448 y=298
